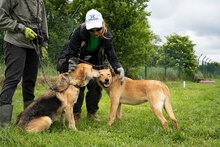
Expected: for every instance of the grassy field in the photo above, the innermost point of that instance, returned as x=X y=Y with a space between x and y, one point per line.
x=197 y=109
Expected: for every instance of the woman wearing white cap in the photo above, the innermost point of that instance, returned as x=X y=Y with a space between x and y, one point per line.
x=90 y=41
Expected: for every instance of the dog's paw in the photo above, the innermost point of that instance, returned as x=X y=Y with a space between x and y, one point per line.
x=109 y=123
x=73 y=127
x=118 y=119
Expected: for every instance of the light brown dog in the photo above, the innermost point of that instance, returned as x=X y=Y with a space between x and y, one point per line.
x=53 y=104
x=135 y=92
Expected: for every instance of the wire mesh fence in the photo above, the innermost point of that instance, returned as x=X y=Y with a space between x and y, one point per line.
x=173 y=65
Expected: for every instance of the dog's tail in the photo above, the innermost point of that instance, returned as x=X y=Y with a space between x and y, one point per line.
x=168 y=107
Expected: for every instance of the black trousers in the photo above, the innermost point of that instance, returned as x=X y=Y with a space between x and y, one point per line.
x=20 y=63
x=93 y=97
x=93 y=94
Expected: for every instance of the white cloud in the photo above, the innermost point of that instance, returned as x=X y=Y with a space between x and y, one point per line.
x=198 y=19
x=206 y=45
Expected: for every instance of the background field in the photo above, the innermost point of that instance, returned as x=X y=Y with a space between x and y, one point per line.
x=197 y=109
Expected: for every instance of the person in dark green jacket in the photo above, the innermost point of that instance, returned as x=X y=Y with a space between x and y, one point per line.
x=25 y=25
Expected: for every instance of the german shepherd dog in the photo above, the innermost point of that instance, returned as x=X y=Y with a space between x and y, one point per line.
x=53 y=104
x=135 y=92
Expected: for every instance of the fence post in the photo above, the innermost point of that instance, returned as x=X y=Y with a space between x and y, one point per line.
x=146 y=63
x=208 y=68
x=180 y=63
x=203 y=69
x=206 y=64
x=199 y=57
x=73 y=16
x=165 y=73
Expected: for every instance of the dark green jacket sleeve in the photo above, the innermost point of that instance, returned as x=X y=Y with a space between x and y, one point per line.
x=15 y=16
x=6 y=22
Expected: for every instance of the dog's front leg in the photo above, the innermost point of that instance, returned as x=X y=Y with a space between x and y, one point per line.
x=62 y=118
x=70 y=117
x=118 y=114
x=114 y=107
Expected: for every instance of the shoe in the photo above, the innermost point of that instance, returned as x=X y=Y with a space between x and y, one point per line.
x=77 y=116
x=93 y=116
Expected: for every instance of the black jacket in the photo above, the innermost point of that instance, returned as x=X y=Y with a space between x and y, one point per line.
x=76 y=47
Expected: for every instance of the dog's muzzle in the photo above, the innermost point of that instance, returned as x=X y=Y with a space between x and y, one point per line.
x=105 y=84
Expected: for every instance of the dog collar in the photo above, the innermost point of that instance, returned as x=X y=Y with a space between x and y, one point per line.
x=69 y=83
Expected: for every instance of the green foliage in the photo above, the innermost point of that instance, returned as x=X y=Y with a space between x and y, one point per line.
x=180 y=53
x=154 y=51
x=58 y=25
x=216 y=64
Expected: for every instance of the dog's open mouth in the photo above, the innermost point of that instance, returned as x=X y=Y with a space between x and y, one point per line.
x=105 y=85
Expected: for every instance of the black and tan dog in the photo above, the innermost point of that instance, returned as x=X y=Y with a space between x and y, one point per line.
x=53 y=104
x=135 y=92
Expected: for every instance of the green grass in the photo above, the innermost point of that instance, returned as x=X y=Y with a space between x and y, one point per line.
x=197 y=109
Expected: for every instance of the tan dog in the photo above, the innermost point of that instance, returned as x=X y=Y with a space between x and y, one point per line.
x=52 y=105
x=135 y=92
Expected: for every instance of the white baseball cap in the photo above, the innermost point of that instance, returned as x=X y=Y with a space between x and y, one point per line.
x=93 y=19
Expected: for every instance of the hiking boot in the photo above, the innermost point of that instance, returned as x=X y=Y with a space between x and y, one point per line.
x=77 y=116
x=5 y=116
x=93 y=116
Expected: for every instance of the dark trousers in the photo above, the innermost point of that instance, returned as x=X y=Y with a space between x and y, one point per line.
x=93 y=97
x=20 y=63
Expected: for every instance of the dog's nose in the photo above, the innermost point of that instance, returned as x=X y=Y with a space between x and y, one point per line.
x=106 y=80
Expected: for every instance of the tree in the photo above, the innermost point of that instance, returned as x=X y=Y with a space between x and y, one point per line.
x=180 y=51
x=154 y=50
x=58 y=25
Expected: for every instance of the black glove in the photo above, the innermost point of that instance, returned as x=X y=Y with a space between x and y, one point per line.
x=62 y=65
x=72 y=64
x=121 y=74
x=61 y=61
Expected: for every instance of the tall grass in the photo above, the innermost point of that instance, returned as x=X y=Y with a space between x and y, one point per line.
x=49 y=69
x=197 y=109
x=158 y=73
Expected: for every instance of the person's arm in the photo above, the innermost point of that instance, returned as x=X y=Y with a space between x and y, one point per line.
x=72 y=50
x=5 y=21
x=112 y=57
x=75 y=43
x=110 y=52
x=45 y=27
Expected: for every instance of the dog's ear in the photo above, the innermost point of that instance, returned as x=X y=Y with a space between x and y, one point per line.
x=81 y=75
x=61 y=82
x=112 y=71
x=84 y=75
